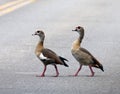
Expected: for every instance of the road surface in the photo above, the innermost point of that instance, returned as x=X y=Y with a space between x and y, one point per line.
x=57 y=18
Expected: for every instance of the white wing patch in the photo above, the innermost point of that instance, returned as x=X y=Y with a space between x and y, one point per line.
x=42 y=56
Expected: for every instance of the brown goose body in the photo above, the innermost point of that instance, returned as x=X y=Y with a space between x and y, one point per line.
x=83 y=56
x=47 y=56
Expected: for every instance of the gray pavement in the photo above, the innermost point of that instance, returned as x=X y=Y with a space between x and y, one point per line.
x=5 y=1
x=19 y=65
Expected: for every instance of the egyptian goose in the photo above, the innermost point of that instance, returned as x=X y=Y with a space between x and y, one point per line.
x=47 y=56
x=83 y=56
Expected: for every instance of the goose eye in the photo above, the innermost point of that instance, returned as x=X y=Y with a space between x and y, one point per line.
x=38 y=31
x=78 y=27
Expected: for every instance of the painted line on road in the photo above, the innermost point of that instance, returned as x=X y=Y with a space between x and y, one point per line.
x=11 y=6
x=6 y=5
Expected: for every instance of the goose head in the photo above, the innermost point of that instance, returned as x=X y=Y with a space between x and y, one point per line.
x=79 y=29
x=40 y=33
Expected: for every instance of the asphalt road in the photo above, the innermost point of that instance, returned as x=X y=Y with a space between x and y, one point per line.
x=19 y=65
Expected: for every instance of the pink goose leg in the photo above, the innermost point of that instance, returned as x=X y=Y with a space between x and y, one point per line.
x=57 y=73
x=76 y=74
x=43 y=74
x=91 y=72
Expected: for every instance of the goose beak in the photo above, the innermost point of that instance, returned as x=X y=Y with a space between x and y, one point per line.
x=34 y=34
x=74 y=30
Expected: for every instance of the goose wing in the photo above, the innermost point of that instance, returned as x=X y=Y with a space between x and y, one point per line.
x=96 y=64
x=51 y=55
x=86 y=51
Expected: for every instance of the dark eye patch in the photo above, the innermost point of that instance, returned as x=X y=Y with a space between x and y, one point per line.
x=78 y=27
x=38 y=31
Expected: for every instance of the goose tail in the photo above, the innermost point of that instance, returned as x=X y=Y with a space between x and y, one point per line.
x=63 y=60
x=98 y=64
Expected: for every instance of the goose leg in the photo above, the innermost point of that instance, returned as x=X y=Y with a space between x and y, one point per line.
x=57 y=73
x=91 y=72
x=76 y=74
x=43 y=74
